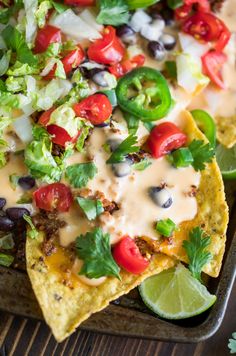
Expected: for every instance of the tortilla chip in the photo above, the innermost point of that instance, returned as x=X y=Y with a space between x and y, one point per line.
x=226 y=130
x=212 y=213
x=65 y=308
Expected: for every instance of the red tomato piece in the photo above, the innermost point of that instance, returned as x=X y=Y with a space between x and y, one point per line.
x=202 y=5
x=212 y=63
x=70 y=61
x=45 y=36
x=95 y=108
x=120 y=69
x=59 y=134
x=207 y=27
x=108 y=49
x=127 y=255
x=55 y=196
x=80 y=2
x=165 y=138
x=182 y=12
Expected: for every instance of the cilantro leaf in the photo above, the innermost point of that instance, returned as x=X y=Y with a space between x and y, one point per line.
x=6 y=13
x=91 y=208
x=113 y=12
x=15 y=41
x=33 y=233
x=79 y=174
x=196 y=251
x=6 y=260
x=202 y=153
x=126 y=147
x=174 y=4
x=232 y=344
x=95 y=250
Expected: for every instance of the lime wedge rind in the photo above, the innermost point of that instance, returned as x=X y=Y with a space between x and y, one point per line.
x=183 y=297
x=226 y=159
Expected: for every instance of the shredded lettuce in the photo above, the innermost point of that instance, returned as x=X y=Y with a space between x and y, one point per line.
x=79 y=91
x=39 y=159
x=31 y=22
x=42 y=11
x=20 y=69
x=64 y=116
x=84 y=132
x=189 y=73
x=15 y=84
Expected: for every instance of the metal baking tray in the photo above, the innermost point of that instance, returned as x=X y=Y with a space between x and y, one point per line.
x=128 y=316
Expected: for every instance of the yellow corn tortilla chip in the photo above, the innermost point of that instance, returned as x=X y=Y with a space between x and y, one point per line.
x=65 y=308
x=212 y=213
x=226 y=130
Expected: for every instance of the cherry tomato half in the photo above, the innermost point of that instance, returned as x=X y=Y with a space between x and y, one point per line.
x=95 y=108
x=59 y=134
x=202 y=5
x=127 y=255
x=108 y=49
x=70 y=61
x=55 y=196
x=165 y=138
x=212 y=63
x=120 y=69
x=207 y=27
x=80 y=2
x=45 y=36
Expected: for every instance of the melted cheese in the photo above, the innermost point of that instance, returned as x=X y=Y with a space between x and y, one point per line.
x=138 y=213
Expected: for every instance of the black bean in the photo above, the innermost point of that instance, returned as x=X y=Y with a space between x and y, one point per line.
x=16 y=213
x=114 y=143
x=156 y=50
x=168 y=16
x=100 y=79
x=160 y=197
x=2 y=202
x=104 y=124
x=156 y=16
x=168 y=41
x=6 y=224
x=26 y=182
x=127 y=34
x=121 y=169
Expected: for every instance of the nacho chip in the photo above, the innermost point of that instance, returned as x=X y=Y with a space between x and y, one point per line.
x=226 y=130
x=212 y=214
x=66 y=307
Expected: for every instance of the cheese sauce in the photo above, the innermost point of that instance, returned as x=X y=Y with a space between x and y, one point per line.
x=137 y=212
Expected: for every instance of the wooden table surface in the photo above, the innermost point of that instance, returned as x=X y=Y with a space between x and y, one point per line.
x=20 y=336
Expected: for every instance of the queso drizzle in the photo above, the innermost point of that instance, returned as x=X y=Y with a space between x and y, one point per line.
x=76 y=125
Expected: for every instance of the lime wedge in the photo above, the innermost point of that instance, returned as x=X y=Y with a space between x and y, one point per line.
x=175 y=294
x=226 y=159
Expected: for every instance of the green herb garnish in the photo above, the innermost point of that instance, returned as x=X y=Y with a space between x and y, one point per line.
x=113 y=12
x=95 y=250
x=140 y=166
x=80 y=173
x=91 y=208
x=126 y=147
x=196 y=251
x=15 y=41
x=7 y=242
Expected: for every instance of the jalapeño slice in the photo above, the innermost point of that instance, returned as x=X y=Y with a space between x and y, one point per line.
x=144 y=92
x=206 y=124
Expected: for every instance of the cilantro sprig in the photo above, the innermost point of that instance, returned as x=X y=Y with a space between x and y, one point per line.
x=95 y=250
x=113 y=12
x=15 y=41
x=196 y=154
x=196 y=251
x=33 y=233
x=92 y=208
x=126 y=147
x=79 y=174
